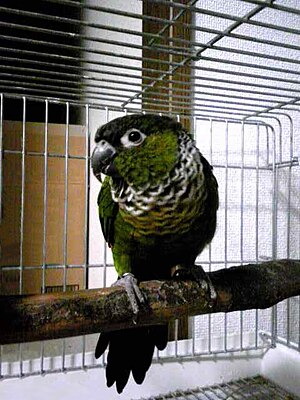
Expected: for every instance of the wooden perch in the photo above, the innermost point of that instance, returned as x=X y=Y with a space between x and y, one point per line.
x=53 y=316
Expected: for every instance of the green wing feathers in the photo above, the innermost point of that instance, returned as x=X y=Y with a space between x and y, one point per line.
x=108 y=210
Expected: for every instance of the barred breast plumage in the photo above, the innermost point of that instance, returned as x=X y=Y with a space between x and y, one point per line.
x=171 y=205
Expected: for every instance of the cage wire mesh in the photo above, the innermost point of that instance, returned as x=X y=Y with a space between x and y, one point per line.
x=229 y=71
x=250 y=388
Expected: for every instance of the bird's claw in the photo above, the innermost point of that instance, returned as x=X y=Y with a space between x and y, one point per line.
x=198 y=274
x=135 y=296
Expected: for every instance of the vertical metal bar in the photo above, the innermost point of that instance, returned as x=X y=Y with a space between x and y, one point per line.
x=105 y=244
x=298 y=324
x=242 y=192
x=103 y=358
x=176 y=327
x=268 y=145
x=209 y=249
x=194 y=130
x=171 y=59
x=45 y=200
x=1 y=156
x=65 y=232
x=176 y=338
x=20 y=348
x=288 y=249
x=193 y=336
x=87 y=213
x=226 y=221
x=211 y=140
x=256 y=216
x=22 y=196
x=242 y=217
x=21 y=266
x=87 y=195
x=1 y=349
x=194 y=136
x=280 y=142
x=274 y=230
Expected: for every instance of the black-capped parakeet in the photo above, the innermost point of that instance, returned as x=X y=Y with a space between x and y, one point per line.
x=157 y=209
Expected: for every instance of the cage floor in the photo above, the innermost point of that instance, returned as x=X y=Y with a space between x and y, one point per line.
x=251 y=388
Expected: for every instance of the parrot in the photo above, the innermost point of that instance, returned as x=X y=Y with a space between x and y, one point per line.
x=157 y=209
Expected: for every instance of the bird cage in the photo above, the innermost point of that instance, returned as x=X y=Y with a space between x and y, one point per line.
x=229 y=72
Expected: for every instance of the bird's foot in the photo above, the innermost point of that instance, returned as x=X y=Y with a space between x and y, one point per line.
x=135 y=296
x=197 y=273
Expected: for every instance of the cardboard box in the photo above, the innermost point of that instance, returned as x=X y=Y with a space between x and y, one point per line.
x=33 y=211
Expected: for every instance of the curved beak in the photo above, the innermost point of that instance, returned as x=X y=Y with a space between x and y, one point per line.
x=102 y=160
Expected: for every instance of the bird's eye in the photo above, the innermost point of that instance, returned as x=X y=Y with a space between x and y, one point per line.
x=133 y=137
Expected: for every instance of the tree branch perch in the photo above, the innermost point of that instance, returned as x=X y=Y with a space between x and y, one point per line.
x=52 y=316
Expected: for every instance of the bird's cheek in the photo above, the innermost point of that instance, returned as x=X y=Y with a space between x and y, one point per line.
x=111 y=170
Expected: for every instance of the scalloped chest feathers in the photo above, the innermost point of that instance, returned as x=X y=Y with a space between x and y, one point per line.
x=174 y=203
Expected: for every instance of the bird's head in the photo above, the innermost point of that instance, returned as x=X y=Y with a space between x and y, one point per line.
x=138 y=149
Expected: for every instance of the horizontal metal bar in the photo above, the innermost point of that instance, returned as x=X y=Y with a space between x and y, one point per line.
x=88 y=93
x=263 y=4
x=52 y=89
x=282 y=341
x=200 y=85
x=253 y=54
x=183 y=83
x=278 y=107
x=274 y=6
x=59 y=95
x=42 y=154
x=63 y=84
x=139 y=77
x=113 y=65
x=83 y=70
x=82 y=266
x=106 y=41
x=218 y=14
x=283 y=164
x=190 y=26
x=53 y=266
x=85 y=37
x=179 y=51
x=174 y=97
x=245 y=74
x=92 y=105
x=100 y=106
x=143 y=34
x=100 y=265
x=134 y=110
x=221 y=109
x=155 y=360
x=248 y=65
x=174 y=103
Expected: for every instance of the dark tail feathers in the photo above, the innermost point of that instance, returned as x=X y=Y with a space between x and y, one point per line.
x=130 y=350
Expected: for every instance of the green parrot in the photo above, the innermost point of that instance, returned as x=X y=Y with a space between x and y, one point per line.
x=157 y=209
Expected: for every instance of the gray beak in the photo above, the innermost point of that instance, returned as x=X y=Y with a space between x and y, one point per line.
x=102 y=160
